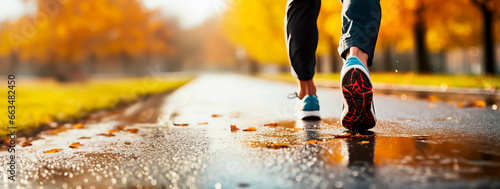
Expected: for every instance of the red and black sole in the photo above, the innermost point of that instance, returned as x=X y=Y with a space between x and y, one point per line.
x=358 y=93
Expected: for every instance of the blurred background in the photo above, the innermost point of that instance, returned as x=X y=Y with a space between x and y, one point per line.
x=73 y=40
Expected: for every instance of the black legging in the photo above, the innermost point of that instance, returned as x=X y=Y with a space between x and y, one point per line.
x=360 y=26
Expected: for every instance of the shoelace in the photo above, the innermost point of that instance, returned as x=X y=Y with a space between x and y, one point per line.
x=293 y=95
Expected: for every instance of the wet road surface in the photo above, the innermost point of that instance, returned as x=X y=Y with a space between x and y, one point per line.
x=191 y=144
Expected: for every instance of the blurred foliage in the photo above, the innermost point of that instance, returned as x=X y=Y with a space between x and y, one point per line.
x=257 y=25
x=43 y=101
x=63 y=31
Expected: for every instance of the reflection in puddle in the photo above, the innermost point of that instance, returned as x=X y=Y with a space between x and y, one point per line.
x=416 y=159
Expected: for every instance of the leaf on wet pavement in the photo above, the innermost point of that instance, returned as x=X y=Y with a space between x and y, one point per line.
x=234 y=128
x=216 y=115
x=181 y=124
x=113 y=130
x=78 y=126
x=106 y=134
x=431 y=98
x=345 y=135
x=278 y=145
x=52 y=151
x=27 y=144
x=84 y=138
x=271 y=124
x=250 y=129
x=132 y=130
x=75 y=145
x=204 y=123
x=313 y=142
x=477 y=103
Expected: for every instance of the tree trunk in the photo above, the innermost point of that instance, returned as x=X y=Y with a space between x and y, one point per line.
x=488 y=40
x=423 y=64
x=387 y=59
x=333 y=55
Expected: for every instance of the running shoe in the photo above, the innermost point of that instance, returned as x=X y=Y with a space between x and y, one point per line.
x=358 y=112
x=307 y=107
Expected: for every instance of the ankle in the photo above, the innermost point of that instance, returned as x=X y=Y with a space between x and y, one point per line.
x=360 y=54
x=306 y=88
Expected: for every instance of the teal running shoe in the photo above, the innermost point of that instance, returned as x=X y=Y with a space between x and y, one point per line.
x=307 y=107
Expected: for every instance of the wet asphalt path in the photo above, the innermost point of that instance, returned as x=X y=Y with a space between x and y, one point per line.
x=413 y=146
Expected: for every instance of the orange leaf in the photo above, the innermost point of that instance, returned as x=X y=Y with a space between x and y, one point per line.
x=84 y=138
x=204 y=123
x=234 y=128
x=346 y=135
x=27 y=144
x=75 y=145
x=477 y=103
x=106 y=135
x=121 y=127
x=297 y=129
x=271 y=124
x=216 y=115
x=431 y=98
x=52 y=151
x=313 y=142
x=250 y=129
x=364 y=142
x=278 y=145
x=113 y=131
x=127 y=143
x=181 y=124
x=460 y=105
x=132 y=130
x=78 y=126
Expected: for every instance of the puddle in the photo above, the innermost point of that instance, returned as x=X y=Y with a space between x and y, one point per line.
x=414 y=159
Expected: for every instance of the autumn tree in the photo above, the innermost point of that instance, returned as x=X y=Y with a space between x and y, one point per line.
x=68 y=33
x=487 y=9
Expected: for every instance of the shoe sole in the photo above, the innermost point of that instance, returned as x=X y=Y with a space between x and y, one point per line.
x=358 y=95
x=308 y=115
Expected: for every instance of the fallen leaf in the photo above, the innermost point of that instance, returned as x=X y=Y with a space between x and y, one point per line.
x=313 y=142
x=271 y=124
x=278 y=145
x=121 y=127
x=250 y=129
x=216 y=115
x=181 y=124
x=27 y=144
x=127 y=143
x=234 y=128
x=132 y=130
x=477 y=103
x=431 y=98
x=113 y=131
x=364 y=142
x=460 y=105
x=75 y=145
x=52 y=151
x=346 y=135
x=204 y=123
x=298 y=129
x=78 y=126
x=106 y=135
x=84 y=138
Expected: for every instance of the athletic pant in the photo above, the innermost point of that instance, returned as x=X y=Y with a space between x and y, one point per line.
x=360 y=26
